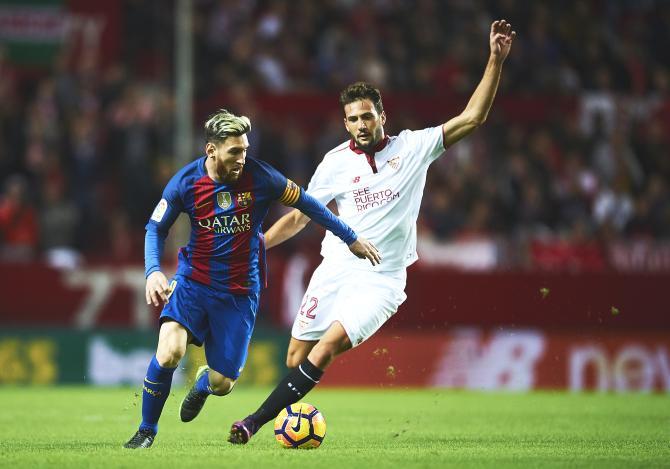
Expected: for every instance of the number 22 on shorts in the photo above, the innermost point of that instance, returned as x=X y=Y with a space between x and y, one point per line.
x=313 y=303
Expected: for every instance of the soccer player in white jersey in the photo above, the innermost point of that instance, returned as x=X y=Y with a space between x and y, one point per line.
x=377 y=182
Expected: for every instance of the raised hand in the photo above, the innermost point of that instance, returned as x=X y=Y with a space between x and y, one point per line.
x=501 y=39
x=364 y=249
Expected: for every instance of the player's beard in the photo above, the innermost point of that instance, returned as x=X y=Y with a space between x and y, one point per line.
x=375 y=138
x=228 y=175
x=231 y=176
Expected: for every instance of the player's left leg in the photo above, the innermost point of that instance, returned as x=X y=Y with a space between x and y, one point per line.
x=296 y=384
x=363 y=304
x=207 y=382
x=334 y=342
x=231 y=322
x=297 y=351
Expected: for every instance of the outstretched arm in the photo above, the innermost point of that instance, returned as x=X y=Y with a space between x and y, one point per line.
x=310 y=208
x=359 y=246
x=293 y=222
x=475 y=113
x=285 y=228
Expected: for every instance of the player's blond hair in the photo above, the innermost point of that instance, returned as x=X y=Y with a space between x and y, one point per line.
x=222 y=124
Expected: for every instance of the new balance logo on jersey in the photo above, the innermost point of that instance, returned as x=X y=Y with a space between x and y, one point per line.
x=356 y=180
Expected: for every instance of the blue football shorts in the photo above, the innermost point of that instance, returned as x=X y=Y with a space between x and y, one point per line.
x=223 y=322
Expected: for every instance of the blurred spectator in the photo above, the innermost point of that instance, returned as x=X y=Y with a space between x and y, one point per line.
x=18 y=222
x=574 y=153
x=133 y=147
x=123 y=245
x=613 y=207
x=59 y=224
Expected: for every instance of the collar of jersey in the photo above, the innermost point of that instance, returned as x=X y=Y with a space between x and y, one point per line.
x=379 y=147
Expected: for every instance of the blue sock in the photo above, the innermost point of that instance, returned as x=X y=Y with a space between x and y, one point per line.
x=202 y=385
x=155 y=392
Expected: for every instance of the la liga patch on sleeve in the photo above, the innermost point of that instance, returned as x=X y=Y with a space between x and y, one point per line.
x=159 y=211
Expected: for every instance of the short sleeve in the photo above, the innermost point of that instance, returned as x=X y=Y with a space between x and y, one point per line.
x=427 y=144
x=320 y=186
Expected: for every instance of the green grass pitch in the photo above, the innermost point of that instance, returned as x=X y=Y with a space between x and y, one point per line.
x=85 y=427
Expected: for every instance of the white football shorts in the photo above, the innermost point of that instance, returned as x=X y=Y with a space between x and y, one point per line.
x=362 y=301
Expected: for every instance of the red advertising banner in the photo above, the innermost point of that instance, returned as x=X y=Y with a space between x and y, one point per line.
x=515 y=331
x=35 y=295
x=508 y=359
x=438 y=298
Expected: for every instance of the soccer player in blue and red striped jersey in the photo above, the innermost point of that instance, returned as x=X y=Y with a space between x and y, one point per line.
x=213 y=298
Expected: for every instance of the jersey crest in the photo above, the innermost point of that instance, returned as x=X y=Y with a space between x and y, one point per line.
x=394 y=162
x=224 y=200
x=244 y=199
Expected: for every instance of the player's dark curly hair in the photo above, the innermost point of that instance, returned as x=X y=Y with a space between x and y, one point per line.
x=361 y=90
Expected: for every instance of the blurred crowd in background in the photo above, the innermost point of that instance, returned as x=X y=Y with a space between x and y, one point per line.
x=86 y=148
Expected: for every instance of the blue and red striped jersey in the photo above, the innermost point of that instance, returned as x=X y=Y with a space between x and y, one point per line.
x=226 y=248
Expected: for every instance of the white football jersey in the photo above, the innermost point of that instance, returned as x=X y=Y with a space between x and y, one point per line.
x=378 y=197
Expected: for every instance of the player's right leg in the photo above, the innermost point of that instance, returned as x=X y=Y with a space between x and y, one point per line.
x=172 y=341
x=312 y=322
x=183 y=321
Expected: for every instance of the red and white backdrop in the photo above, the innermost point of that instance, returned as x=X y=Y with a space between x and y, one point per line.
x=607 y=329
x=601 y=330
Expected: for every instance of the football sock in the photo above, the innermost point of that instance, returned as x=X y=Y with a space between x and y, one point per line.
x=291 y=389
x=155 y=392
x=202 y=385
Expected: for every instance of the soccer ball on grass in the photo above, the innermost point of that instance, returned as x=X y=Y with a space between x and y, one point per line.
x=300 y=425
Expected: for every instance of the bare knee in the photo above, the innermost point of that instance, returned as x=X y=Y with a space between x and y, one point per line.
x=220 y=384
x=172 y=341
x=169 y=355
